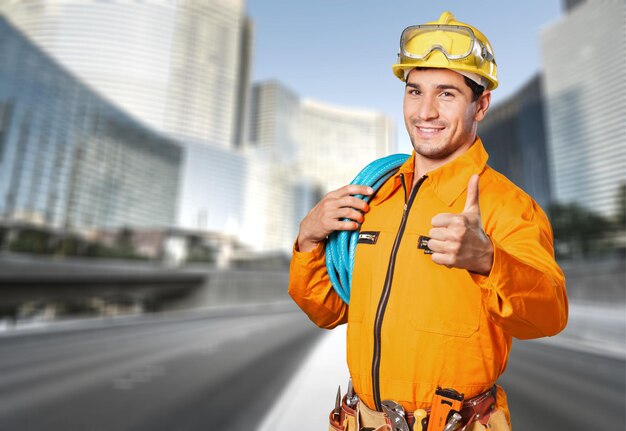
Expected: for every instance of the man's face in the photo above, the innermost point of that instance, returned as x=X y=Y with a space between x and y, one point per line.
x=439 y=113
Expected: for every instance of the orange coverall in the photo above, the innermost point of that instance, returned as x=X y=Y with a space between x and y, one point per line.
x=439 y=326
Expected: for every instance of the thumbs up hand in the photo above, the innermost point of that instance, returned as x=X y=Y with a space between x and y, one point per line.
x=458 y=240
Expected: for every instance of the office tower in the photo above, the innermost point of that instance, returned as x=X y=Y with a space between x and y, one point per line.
x=584 y=55
x=214 y=180
x=275 y=112
x=276 y=201
x=514 y=134
x=337 y=142
x=181 y=67
x=68 y=158
x=326 y=143
x=311 y=148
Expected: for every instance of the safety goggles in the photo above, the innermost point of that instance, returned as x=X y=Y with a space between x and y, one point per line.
x=454 y=41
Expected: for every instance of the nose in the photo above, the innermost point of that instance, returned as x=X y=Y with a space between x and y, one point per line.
x=427 y=109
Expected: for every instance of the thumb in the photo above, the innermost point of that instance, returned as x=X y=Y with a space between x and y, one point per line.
x=471 y=204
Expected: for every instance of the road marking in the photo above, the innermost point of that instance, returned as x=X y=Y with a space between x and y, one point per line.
x=142 y=375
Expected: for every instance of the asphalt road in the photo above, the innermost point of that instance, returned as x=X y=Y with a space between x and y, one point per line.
x=224 y=370
x=200 y=372
x=551 y=388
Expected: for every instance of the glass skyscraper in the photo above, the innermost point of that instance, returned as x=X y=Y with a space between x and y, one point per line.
x=327 y=143
x=310 y=148
x=584 y=55
x=68 y=158
x=179 y=66
x=514 y=135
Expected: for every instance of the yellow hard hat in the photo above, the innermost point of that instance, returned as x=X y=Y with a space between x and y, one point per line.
x=447 y=44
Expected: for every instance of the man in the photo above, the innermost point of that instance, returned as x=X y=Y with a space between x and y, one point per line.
x=458 y=259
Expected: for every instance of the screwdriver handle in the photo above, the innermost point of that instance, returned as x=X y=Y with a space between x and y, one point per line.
x=419 y=416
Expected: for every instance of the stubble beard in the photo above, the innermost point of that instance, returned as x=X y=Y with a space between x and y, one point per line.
x=432 y=149
x=440 y=147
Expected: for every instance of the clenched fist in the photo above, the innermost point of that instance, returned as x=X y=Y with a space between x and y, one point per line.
x=458 y=240
x=329 y=214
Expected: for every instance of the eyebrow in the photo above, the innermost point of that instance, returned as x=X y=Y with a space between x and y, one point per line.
x=448 y=87
x=438 y=87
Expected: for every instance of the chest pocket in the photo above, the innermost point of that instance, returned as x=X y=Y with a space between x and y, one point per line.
x=437 y=299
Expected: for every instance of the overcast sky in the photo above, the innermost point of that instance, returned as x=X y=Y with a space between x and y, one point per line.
x=341 y=51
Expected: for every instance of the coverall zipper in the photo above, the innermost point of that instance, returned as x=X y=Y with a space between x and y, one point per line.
x=384 y=297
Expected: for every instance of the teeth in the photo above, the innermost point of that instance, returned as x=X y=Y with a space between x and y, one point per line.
x=427 y=130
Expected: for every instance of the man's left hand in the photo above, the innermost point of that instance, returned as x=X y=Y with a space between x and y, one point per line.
x=458 y=240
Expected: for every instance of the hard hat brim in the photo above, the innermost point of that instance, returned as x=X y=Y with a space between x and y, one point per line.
x=399 y=70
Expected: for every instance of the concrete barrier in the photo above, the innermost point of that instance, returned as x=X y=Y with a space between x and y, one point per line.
x=22 y=279
x=236 y=286
x=602 y=281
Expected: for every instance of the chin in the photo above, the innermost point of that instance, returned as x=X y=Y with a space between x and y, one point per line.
x=427 y=150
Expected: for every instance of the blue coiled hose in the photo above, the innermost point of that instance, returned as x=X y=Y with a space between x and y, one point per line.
x=341 y=245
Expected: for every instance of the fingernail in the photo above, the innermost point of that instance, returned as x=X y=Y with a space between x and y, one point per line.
x=370 y=190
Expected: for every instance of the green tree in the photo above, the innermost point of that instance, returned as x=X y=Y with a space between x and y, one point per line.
x=578 y=230
x=621 y=208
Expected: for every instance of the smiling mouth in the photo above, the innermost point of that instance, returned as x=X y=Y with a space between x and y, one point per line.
x=429 y=131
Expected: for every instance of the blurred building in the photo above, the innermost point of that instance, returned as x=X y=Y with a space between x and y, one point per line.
x=277 y=199
x=584 y=56
x=325 y=143
x=301 y=149
x=336 y=143
x=213 y=197
x=181 y=67
x=514 y=135
x=275 y=112
x=68 y=158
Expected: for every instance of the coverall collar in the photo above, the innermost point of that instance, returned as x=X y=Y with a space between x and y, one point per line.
x=448 y=181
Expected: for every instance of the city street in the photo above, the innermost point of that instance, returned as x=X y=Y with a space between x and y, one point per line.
x=196 y=371
x=246 y=368
x=554 y=388
x=167 y=168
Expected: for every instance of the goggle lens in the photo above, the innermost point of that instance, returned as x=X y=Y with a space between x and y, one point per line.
x=455 y=42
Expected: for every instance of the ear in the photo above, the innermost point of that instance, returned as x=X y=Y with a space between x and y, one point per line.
x=482 y=105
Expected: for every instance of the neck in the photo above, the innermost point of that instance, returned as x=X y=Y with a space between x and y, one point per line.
x=424 y=165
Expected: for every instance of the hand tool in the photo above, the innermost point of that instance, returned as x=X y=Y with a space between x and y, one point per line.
x=351 y=398
x=396 y=413
x=444 y=401
x=337 y=409
x=419 y=416
x=453 y=422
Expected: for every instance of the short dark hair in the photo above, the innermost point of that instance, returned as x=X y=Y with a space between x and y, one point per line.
x=476 y=88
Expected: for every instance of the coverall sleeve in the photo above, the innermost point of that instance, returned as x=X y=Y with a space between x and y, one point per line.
x=525 y=290
x=311 y=289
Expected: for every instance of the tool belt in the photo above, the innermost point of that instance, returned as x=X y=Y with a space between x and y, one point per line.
x=361 y=418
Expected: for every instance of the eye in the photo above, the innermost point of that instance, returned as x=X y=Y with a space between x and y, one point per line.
x=447 y=94
x=413 y=91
